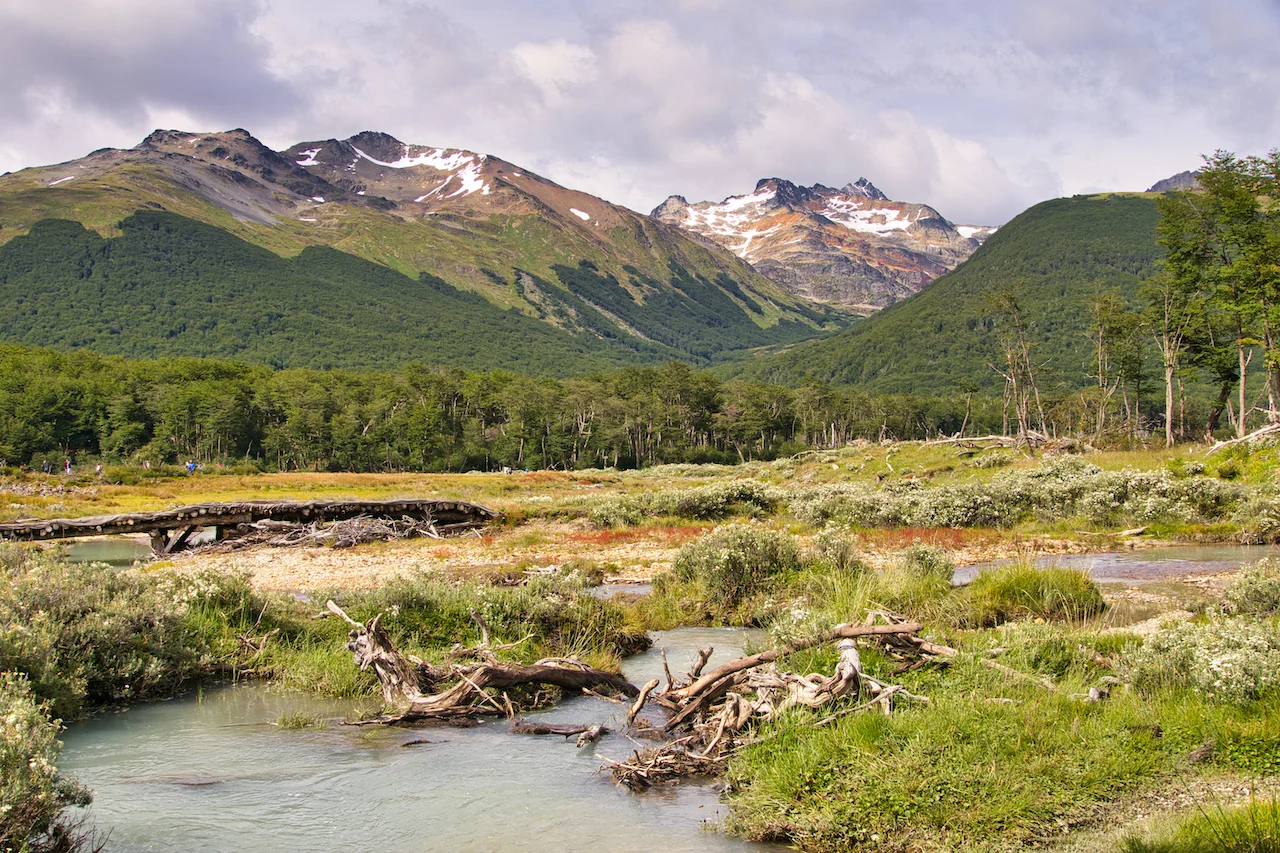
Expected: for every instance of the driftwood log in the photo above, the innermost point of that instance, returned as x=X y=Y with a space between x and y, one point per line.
x=470 y=690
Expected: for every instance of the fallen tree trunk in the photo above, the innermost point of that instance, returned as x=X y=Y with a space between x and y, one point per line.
x=403 y=677
x=586 y=733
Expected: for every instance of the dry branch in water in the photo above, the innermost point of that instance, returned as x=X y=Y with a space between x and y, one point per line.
x=715 y=713
x=405 y=679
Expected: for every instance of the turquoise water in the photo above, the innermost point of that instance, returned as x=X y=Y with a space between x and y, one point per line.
x=212 y=773
x=121 y=552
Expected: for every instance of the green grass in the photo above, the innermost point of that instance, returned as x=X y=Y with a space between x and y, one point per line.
x=1020 y=590
x=1251 y=828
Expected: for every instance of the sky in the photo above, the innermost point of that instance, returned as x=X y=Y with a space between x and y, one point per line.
x=978 y=108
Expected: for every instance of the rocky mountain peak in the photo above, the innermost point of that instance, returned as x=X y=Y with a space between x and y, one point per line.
x=1182 y=181
x=863 y=187
x=378 y=145
x=674 y=206
x=852 y=247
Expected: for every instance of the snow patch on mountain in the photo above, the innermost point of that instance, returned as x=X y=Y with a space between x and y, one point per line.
x=469 y=175
x=580 y=214
x=309 y=157
x=444 y=159
x=871 y=220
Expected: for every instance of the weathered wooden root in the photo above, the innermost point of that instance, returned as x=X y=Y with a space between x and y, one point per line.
x=587 y=733
x=405 y=679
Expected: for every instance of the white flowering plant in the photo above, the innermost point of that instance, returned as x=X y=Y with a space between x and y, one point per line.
x=1231 y=659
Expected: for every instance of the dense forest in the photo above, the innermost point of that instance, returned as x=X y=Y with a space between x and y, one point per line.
x=83 y=406
x=172 y=286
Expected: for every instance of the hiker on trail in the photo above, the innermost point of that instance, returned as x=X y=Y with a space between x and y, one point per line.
x=67 y=465
x=191 y=466
x=46 y=467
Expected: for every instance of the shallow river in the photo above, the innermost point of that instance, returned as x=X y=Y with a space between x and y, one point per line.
x=1147 y=564
x=212 y=773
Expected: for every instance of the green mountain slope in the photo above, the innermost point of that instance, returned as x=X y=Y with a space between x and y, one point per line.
x=478 y=223
x=172 y=286
x=1056 y=257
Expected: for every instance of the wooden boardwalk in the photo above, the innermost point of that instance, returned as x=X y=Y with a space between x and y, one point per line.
x=171 y=528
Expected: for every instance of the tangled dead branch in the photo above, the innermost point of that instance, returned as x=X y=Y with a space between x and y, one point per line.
x=713 y=714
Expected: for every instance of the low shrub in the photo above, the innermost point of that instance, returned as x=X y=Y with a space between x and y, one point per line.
x=995 y=459
x=88 y=636
x=1255 y=590
x=702 y=503
x=1061 y=489
x=1020 y=590
x=1223 y=659
x=837 y=549
x=428 y=613
x=32 y=793
x=735 y=561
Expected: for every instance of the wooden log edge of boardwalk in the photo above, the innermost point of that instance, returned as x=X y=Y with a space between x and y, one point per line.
x=171 y=528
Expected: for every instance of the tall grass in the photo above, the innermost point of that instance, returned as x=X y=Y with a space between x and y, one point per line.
x=1251 y=828
x=1020 y=590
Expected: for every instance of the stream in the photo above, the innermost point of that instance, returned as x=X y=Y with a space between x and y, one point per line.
x=1145 y=565
x=211 y=772
x=214 y=772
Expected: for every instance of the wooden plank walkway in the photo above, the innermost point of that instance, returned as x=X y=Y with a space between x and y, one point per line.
x=171 y=527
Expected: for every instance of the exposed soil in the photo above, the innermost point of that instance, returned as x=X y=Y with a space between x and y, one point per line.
x=632 y=554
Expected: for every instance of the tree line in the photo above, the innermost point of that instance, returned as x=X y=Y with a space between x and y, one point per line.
x=1215 y=306
x=83 y=405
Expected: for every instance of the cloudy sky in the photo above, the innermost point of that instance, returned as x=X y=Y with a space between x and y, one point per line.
x=979 y=108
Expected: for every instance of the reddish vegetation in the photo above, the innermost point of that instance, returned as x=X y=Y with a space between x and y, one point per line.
x=941 y=537
x=666 y=535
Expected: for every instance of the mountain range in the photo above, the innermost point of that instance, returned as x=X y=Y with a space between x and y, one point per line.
x=851 y=248
x=591 y=274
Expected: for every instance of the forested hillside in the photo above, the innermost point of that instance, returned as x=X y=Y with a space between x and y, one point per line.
x=174 y=286
x=1053 y=261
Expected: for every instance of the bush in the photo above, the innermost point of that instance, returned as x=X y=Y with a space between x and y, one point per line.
x=995 y=459
x=1225 y=659
x=32 y=793
x=736 y=561
x=89 y=636
x=703 y=503
x=837 y=550
x=1255 y=590
x=1020 y=590
x=430 y=613
x=1064 y=488
x=927 y=561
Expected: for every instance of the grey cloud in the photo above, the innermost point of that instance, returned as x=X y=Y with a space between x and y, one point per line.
x=977 y=108
x=127 y=59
